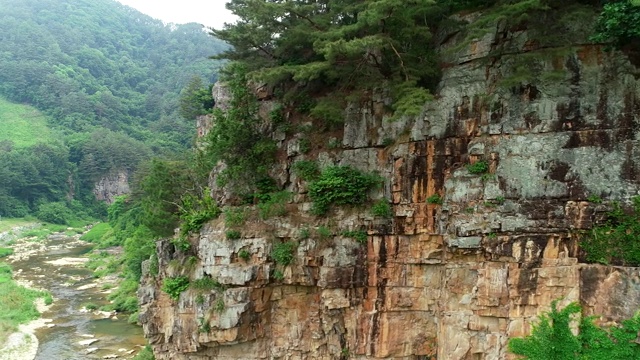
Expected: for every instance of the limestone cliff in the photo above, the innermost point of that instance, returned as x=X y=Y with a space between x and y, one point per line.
x=111 y=186
x=450 y=281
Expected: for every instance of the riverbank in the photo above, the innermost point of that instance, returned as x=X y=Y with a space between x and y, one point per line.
x=73 y=327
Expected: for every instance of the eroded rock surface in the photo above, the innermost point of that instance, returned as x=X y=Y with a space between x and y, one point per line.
x=450 y=281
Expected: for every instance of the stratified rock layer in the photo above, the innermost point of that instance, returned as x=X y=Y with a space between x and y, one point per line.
x=450 y=281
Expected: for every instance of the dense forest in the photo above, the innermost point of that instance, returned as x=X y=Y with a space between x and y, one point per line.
x=108 y=80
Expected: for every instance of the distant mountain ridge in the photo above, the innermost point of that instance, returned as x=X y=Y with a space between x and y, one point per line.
x=107 y=78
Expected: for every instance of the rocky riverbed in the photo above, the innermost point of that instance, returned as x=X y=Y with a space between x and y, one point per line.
x=67 y=330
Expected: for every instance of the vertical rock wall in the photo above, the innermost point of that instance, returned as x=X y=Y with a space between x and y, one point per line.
x=450 y=281
x=111 y=186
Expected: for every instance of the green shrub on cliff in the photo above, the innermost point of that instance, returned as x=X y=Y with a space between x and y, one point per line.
x=341 y=185
x=174 y=286
x=616 y=241
x=552 y=338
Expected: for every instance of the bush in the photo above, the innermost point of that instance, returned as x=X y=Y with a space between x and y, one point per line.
x=306 y=170
x=552 y=337
x=283 y=253
x=616 y=241
x=233 y=234
x=341 y=185
x=244 y=255
x=206 y=283
x=274 y=204
x=175 y=286
x=96 y=233
x=55 y=212
x=5 y=252
x=234 y=216
x=359 y=235
x=382 y=208
x=434 y=199
x=479 y=167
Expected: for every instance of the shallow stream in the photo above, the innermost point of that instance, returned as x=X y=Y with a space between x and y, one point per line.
x=72 y=286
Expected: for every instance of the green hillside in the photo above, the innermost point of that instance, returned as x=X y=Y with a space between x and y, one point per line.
x=87 y=88
x=23 y=126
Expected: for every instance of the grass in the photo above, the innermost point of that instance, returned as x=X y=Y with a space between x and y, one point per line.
x=7 y=224
x=16 y=302
x=96 y=233
x=19 y=123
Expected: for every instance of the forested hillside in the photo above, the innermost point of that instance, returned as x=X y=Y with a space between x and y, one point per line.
x=108 y=80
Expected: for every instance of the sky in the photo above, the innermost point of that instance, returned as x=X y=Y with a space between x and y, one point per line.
x=210 y=13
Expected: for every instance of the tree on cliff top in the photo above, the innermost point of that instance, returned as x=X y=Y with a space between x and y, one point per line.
x=348 y=46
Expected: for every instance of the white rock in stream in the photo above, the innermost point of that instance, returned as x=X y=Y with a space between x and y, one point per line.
x=91 y=350
x=86 y=287
x=87 y=342
x=112 y=356
x=68 y=261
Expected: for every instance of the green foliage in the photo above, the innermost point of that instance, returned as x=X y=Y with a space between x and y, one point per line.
x=144 y=354
x=4 y=252
x=55 y=212
x=244 y=255
x=16 y=302
x=341 y=185
x=219 y=305
x=97 y=233
x=19 y=123
x=434 y=199
x=304 y=233
x=329 y=110
x=304 y=145
x=124 y=298
x=233 y=234
x=278 y=275
x=91 y=306
x=234 y=216
x=324 y=232
x=199 y=299
x=616 y=241
x=594 y=199
x=388 y=141
x=552 y=338
x=203 y=325
x=382 y=208
x=195 y=99
x=359 y=235
x=619 y=23
x=274 y=204
x=206 y=283
x=175 y=286
x=479 y=167
x=236 y=138
x=283 y=253
x=306 y=170
x=181 y=243
x=373 y=42
x=197 y=211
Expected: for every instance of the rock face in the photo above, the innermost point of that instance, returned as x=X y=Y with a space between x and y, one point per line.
x=450 y=281
x=111 y=186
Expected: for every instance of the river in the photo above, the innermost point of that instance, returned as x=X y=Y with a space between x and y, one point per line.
x=73 y=334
